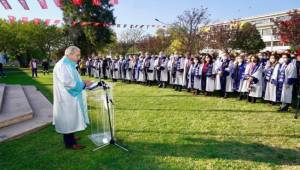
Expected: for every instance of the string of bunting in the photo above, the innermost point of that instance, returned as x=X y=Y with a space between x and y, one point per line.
x=36 y=21
x=58 y=3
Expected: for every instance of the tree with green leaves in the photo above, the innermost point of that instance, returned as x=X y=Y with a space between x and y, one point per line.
x=25 y=41
x=90 y=38
x=247 y=38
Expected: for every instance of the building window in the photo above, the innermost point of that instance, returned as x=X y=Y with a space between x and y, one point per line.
x=267 y=31
x=268 y=44
x=262 y=21
x=283 y=18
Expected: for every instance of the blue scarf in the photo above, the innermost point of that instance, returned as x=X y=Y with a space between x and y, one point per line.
x=281 y=75
x=209 y=72
x=269 y=73
x=178 y=63
x=195 y=70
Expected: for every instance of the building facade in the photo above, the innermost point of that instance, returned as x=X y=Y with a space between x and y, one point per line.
x=266 y=27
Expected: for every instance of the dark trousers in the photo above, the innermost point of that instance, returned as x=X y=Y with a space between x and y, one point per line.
x=1 y=70
x=223 y=86
x=69 y=140
x=46 y=70
x=34 y=72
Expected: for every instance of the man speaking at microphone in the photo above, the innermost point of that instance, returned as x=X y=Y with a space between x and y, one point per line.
x=69 y=102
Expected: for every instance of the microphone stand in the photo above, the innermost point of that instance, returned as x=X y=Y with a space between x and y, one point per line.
x=298 y=105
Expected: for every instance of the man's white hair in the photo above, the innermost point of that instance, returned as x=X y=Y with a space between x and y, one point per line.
x=71 y=50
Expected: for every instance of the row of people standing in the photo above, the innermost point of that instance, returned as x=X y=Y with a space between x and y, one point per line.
x=264 y=75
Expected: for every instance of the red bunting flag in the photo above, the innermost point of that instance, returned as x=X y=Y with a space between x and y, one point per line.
x=113 y=2
x=24 y=20
x=85 y=23
x=11 y=19
x=74 y=23
x=36 y=21
x=5 y=4
x=43 y=4
x=24 y=4
x=107 y=24
x=77 y=2
x=58 y=3
x=97 y=24
x=56 y=22
x=47 y=22
x=96 y=2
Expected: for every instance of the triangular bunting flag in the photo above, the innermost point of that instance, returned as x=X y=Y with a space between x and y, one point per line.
x=5 y=4
x=58 y=3
x=43 y=4
x=24 y=4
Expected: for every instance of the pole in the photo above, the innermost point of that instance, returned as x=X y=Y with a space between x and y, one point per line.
x=298 y=104
x=112 y=141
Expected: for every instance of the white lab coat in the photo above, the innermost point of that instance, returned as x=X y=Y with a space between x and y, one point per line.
x=129 y=72
x=256 y=90
x=218 y=65
x=141 y=77
x=229 y=80
x=210 y=81
x=69 y=104
x=116 y=70
x=287 y=90
x=164 y=72
x=179 y=75
x=245 y=83
x=197 y=80
x=187 y=63
x=151 y=70
x=270 y=93
x=95 y=69
x=170 y=69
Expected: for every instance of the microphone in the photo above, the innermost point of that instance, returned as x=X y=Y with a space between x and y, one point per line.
x=97 y=84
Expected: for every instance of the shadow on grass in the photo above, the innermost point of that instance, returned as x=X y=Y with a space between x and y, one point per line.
x=202 y=148
x=209 y=133
x=194 y=110
x=22 y=77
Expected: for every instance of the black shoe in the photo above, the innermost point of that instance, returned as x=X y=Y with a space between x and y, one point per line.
x=225 y=96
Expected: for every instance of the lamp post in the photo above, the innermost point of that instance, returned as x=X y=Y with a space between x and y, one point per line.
x=157 y=20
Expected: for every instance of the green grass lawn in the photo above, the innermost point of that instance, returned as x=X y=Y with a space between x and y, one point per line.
x=164 y=129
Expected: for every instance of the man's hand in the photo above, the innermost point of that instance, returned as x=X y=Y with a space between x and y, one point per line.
x=87 y=82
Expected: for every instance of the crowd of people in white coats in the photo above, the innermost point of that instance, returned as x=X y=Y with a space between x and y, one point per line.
x=274 y=77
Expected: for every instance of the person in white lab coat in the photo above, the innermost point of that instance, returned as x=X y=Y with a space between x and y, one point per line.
x=255 y=79
x=286 y=78
x=179 y=66
x=162 y=70
x=69 y=104
x=270 y=70
x=194 y=76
